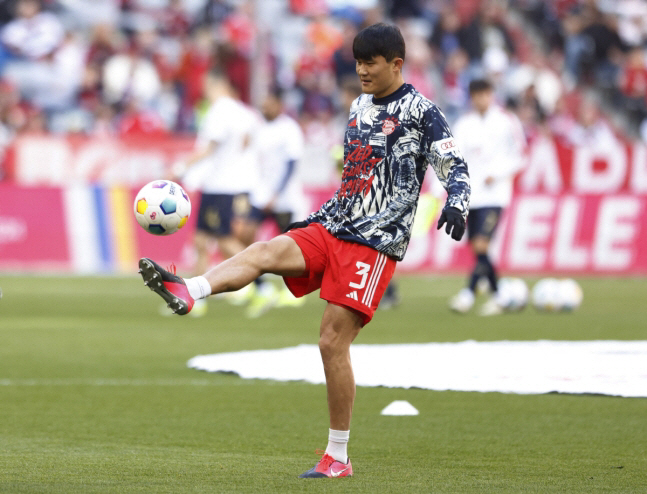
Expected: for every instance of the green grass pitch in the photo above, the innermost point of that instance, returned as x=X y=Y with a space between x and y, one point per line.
x=95 y=396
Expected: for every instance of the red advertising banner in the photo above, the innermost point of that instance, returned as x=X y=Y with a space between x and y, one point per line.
x=33 y=233
x=579 y=210
x=52 y=160
x=607 y=166
x=562 y=233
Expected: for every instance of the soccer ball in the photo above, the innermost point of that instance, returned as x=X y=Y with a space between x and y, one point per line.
x=512 y=294
x=552 y=295
x=570 y=294
x=162 y=207
x=546 y=294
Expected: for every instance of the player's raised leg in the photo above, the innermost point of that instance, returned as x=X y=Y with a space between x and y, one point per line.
x=281 y=256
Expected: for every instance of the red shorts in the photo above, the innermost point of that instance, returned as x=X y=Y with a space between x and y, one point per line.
x=349 y=274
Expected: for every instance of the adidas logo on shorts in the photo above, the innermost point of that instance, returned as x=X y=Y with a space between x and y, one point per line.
x=352 y=295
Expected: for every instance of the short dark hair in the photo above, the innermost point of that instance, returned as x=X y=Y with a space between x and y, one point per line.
x=276 y=92
x=379 y=39
x=217 y=73
x=478 y=85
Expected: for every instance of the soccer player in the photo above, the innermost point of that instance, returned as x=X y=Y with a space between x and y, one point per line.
x=492 y=141
x=350 y=90
x=279 y=195
x=349 y=247
x=223 y=166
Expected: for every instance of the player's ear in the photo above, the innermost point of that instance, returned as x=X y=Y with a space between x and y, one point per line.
x=397 y=63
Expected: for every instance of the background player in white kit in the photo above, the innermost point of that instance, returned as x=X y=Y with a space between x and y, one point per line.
x=223 y=167
x=279 y=195
x=492 y=141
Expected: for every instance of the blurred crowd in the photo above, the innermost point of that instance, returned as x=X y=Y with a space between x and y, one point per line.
x=600 y=44
x=136 y=67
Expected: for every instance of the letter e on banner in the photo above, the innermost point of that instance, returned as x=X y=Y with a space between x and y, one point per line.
x=566 y=254
x=615 y=232
x=531 y=226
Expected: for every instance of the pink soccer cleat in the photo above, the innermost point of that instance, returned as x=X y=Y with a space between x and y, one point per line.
x=329 y=467
x=167 y=285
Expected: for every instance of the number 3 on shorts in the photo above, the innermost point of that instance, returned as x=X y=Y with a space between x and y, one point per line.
x=363 y=272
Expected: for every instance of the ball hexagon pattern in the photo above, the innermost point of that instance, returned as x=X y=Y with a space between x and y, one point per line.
x=168 y=205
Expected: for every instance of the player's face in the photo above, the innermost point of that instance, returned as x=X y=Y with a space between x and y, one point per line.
x=214 y=88
x=271 y=108
x=379 y=77
x=481 y=100
x=27 y=8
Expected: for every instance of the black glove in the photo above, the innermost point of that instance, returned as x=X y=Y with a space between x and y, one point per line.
x=453 y=218
x=295 y=225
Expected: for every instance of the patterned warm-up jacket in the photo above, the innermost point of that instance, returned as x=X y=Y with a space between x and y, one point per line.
x=389 y=144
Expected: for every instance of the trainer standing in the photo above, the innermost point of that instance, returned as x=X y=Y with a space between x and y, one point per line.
x=492 y=141
x=348 y=249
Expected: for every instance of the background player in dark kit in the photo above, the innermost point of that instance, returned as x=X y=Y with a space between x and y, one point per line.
x=348 y=249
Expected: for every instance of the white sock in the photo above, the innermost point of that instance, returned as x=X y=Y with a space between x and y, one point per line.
x=338 y=445
x=198 y=287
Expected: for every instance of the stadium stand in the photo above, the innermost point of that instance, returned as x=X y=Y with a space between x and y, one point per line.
x=132 y=67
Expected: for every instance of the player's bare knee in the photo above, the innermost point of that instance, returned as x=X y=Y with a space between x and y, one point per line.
x=331 y=343
x=480 y=244
x=264 y=255
x=327 y=347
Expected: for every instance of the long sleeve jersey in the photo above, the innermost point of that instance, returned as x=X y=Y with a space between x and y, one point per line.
x=389 y=144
